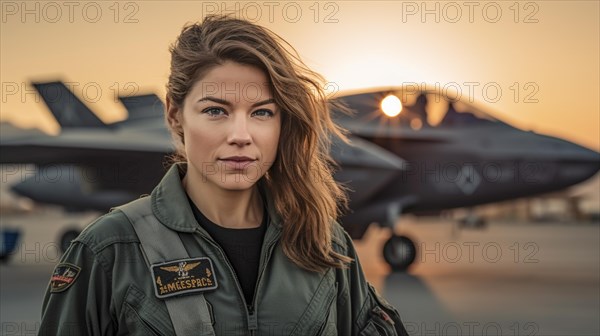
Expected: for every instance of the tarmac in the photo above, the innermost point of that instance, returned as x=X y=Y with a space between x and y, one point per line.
x=506 y=279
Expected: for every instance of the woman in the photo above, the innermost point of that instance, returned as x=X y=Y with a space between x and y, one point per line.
x=239 y=237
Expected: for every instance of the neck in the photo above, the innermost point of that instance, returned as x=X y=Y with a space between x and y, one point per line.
x=236 y=209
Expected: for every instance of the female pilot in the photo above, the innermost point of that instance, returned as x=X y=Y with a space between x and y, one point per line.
x=239 y=237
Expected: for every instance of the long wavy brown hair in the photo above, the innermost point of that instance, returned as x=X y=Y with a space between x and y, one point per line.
x=300 y=180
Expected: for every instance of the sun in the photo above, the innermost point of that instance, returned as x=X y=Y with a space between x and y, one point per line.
x=391 y=106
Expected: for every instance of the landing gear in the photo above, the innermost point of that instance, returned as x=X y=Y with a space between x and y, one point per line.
x=67 y=237
x=399 y=252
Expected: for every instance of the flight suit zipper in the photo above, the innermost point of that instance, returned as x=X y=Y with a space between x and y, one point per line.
x=251 y=319
x=263 y=266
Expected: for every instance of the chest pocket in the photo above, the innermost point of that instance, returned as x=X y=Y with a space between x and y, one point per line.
x=320 y=316
x=145 y=315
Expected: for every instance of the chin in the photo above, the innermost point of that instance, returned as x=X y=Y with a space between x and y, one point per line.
x=237 y=184
x=237 y=187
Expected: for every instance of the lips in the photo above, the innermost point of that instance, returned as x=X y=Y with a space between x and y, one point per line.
x=237 y=162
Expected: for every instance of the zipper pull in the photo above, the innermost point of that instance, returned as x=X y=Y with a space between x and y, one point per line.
x=252 y=320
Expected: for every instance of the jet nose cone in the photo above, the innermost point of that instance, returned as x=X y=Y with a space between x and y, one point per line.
x=594 y=158
x=584 y=154
x=581 y=164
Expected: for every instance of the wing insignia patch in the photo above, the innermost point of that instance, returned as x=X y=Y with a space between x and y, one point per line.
x=183 y=277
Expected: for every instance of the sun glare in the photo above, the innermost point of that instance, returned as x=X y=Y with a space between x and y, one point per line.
x=391 y=106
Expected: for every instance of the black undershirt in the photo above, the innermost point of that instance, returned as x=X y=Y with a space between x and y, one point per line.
x=241 y=246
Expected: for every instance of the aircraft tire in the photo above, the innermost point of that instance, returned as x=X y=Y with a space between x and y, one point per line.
x=66 y=238
x=399 y=252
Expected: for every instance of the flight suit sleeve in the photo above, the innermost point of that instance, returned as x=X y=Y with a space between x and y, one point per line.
x=78 y=297
x=360 y=304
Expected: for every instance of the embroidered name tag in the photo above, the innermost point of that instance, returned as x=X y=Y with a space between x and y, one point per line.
x=63 y=277
x=183 y=276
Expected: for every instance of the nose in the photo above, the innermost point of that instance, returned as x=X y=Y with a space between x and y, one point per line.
x=239 y=134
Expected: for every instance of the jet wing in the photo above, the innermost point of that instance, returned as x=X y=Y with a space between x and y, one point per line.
x=81 y=147
x=105 y=160
x=9 y=132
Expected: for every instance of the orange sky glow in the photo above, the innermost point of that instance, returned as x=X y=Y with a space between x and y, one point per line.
x=534 y=64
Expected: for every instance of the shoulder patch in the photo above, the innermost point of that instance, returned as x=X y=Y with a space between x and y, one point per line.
x=183 y=276
x=63 y=277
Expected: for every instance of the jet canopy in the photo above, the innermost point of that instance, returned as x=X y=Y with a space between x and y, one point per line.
x=416 y=110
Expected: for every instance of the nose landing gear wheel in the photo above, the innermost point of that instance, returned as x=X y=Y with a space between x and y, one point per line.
x=399 y=252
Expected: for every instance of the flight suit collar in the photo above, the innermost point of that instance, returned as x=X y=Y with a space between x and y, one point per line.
x=171 y=207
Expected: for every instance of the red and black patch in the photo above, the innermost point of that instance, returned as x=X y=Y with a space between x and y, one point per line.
x=63 y=277
x=183 y=276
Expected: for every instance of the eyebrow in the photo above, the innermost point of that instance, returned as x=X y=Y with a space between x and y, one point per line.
x=225 y=102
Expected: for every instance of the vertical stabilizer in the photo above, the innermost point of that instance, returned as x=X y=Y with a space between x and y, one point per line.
x=68 y=110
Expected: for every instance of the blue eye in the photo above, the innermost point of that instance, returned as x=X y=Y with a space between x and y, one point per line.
x=264 y=113
x=214 y=111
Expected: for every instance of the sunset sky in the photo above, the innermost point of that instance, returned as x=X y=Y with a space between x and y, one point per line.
x=543 y=56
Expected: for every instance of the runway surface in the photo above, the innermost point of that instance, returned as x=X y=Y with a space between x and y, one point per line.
x=508 y=279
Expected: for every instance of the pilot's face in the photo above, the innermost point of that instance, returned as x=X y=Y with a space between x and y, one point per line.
x=231 y=127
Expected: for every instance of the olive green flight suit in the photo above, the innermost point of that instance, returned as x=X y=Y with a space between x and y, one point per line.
x=111 y=290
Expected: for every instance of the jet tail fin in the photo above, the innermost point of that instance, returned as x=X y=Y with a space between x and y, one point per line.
x=68 y=110
x=143 y=107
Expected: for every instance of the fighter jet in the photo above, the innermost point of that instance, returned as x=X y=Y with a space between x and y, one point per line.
x=457 y=155
x=402 y=158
